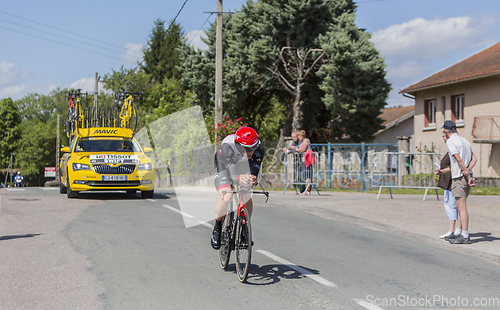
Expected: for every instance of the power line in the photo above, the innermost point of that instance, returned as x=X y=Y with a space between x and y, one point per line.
x=164 y=33
x=72 y=39
x=49 y=26
x=65 y=44
x=200 y=28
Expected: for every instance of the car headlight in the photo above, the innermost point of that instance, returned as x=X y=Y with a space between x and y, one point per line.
x=78 y=166
x=146 y=166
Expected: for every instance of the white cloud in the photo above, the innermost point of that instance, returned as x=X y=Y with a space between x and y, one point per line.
x=86 y=84
x=132 y=52
x=16 y=92
x=194 y=38
x=425 y=39
x=10 y=74
x=406 y=71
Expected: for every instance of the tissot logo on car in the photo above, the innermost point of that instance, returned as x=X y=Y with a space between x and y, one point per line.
x=114 y=159
x=105 y=131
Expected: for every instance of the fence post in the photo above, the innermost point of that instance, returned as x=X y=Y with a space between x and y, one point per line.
x=329 y=165
x=362 y=166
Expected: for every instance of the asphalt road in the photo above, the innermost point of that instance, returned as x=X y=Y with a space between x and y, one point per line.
x=117 y=251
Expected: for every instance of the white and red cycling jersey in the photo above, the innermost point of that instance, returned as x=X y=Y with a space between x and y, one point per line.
x=231 y=161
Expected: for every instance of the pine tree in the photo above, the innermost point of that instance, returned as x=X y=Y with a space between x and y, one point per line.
x=354 y=80
x=293 y=51
x=162 y=56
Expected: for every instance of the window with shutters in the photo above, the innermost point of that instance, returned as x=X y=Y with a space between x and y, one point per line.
x=457 y=110
x=430 y=114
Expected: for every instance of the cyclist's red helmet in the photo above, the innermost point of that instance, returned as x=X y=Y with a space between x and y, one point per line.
x=247 y=137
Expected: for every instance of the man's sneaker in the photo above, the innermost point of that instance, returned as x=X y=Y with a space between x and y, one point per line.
x=445 y=235
x=215 y=241
x=451 y=236
x=460 y=240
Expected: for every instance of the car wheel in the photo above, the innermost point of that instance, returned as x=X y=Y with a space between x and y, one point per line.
x=62 y=188
x=70 y=193
x=147 y=194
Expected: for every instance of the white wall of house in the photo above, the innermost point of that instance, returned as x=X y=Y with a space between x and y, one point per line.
x=390 y=135
x=481 y=98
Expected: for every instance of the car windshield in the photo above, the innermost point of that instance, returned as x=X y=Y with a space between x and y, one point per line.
x=106 y=145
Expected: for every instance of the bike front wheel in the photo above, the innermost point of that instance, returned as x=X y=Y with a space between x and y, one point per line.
x=243 y=245
x=225 y=240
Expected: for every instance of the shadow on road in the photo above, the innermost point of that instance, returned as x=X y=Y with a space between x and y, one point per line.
x=122 y=195
x=482 y=237
x=18 y=236
x=270 y=274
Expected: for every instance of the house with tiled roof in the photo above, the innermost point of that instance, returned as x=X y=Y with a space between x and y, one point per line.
x=469 y=94
x=398 y=122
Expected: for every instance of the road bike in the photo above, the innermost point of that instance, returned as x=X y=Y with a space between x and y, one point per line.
x=76 y=115
x=128 y=112
x=236 y=233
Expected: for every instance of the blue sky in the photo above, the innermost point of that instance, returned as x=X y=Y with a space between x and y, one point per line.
x=49 y=44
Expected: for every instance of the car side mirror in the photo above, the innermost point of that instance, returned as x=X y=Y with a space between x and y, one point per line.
x=65 y=149
x=148 y=150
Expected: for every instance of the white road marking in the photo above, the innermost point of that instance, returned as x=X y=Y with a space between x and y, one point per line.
x=178 y=211
x=152 y=200
x=305 y=272
x=188 y=215
x=368 y=305
x=280 y=260
x=49 y=188
x=15 y=189
x=206 y=224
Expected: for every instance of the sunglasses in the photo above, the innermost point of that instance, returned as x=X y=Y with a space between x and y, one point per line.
x=248 y=149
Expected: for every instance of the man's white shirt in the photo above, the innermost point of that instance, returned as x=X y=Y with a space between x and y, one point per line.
x=460 y=146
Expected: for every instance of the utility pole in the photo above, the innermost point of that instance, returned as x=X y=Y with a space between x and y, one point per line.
x=95 y=92
x=57 y=150
x=218 y=66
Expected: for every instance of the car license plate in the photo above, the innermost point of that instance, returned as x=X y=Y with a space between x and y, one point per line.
x=114 y=178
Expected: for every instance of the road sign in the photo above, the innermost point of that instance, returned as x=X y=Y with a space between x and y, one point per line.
x=50 y=172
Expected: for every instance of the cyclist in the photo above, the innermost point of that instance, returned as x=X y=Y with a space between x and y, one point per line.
x=237 y=161
x=19 y=179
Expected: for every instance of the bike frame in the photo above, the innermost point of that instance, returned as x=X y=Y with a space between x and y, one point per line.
x=232 y=239
x=126 y=111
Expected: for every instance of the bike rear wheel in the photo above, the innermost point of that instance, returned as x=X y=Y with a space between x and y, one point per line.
x=243 y=245
x=225 y=240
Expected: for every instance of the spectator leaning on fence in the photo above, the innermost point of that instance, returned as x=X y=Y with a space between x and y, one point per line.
x=444 y=182
x=307 y=171
x=462 y=161
x=296 y=143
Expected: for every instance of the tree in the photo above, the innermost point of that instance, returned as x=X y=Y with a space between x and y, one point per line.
x=289 y=50
x=10 y=131
x=354 y=80
x=162 y=56
x=170 y=97
x=37 y=149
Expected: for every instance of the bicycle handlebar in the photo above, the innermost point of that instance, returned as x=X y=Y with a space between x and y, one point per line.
x=77 y=94
x=125 y=94
x=243 y=191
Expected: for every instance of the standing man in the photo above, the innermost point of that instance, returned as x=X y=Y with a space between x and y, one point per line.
x=450 y=204
x=462 y=161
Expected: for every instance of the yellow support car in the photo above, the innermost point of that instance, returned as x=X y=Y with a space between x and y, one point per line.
x=106 y=159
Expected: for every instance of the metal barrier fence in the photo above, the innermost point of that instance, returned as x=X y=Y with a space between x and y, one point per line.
x=296 y=172
x=348 y=165
x=413 y=170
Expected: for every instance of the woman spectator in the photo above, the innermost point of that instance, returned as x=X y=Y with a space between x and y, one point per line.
x=305 y=147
